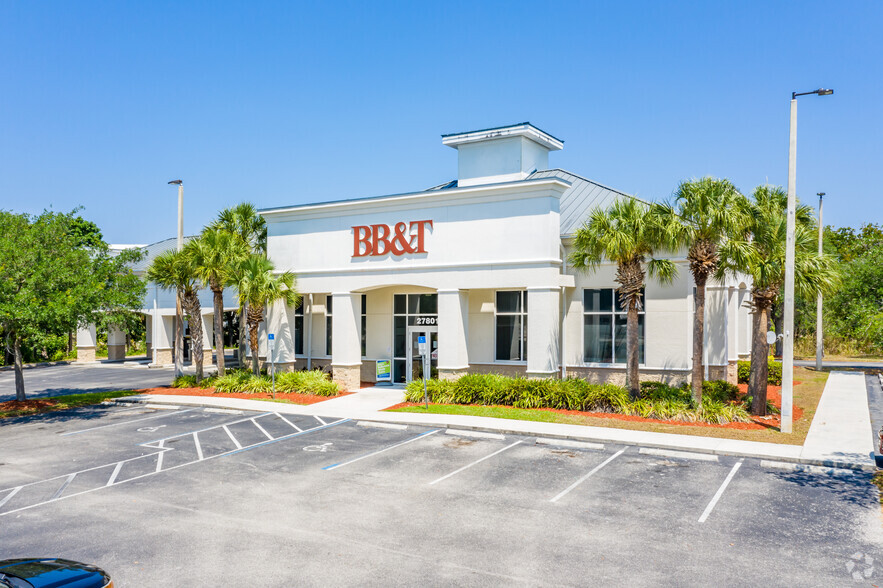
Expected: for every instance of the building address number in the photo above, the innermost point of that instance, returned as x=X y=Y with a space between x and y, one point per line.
x=426 y=320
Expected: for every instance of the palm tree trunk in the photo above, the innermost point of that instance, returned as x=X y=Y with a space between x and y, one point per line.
x=219 y=328
x=253 y=342
x=632 y=377
x=194 y=315
x=179 y=335
x=243 y=333
x=19 y=371
x=757 y=379
x=698 y=375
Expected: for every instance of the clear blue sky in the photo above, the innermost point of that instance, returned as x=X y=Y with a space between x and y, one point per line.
x=284 y=103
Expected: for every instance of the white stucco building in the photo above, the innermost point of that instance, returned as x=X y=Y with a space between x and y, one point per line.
x=479 y=266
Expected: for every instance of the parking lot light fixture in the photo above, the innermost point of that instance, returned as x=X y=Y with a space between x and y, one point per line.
x=788 y=334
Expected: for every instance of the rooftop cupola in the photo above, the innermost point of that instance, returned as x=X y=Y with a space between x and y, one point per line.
x=501 y=154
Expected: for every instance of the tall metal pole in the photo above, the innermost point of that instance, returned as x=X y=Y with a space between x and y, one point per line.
x=179 y=311
x=819 y=335
x=788 y=338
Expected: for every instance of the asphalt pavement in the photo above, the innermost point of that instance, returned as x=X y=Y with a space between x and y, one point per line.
x=76 y=378
x=204 y=497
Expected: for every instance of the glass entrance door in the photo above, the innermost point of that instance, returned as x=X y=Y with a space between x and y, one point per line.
x=415 y=360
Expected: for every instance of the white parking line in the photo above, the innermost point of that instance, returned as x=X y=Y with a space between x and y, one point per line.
x=115 y=473
x=587 y=476
x=198 y=446
x=156 y=416
x=159 y=458
x=320 y=420
x=296 y=428
x=10 y=495
x=232 y=438
x=263 y=430
x=466 y=467
x=242 y=420
x=720 y=491
x=64 y=486
x=373 y=453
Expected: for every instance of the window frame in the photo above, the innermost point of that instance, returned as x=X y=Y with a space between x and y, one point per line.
x=613 y=313
x=522 y=342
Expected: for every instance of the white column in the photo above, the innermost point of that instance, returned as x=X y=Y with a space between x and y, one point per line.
x=346 y=346
x=116 y=343
x=87 y=341
x=543 y=312
x=208 y=334
x=453 y=330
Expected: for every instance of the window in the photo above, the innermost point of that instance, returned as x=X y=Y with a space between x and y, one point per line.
x=409 y=310
x=328 y=325
x=604 y=327
x=364 y=324
x=511 y=326
x=299 y=329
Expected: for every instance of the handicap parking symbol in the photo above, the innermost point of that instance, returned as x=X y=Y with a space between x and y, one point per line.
x=150 y=429
x=323 y=448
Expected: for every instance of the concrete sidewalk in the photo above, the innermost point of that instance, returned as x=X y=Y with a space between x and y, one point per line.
x=839 y=437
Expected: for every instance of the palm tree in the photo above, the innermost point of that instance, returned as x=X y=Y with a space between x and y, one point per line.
x=244 y=222
x=627 y=233
x=174 y=269
x=214 y=256
x=761 y=255
x=260 y=287
x=707 y=212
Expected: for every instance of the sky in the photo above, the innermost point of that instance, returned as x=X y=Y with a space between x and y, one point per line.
x=102 y=103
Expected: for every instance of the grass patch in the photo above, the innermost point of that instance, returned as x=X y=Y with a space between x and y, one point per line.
x=13 y=408
x=806 y=395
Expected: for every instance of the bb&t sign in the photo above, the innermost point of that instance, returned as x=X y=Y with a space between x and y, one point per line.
x=375 y=240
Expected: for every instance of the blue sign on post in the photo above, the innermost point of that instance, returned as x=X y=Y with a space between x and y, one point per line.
x=420 y=339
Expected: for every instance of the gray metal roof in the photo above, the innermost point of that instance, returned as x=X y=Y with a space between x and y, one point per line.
x=580 y=199
x=155 y=249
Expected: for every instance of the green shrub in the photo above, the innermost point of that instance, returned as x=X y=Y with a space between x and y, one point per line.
x=774 y=376
x=723 y=413
x=719 y=391
x=184 y=382
x=232 y=381
x=314 y=382
x=663 y=391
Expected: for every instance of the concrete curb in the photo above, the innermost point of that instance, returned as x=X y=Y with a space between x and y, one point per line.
x=525 y=430
x=29 y=366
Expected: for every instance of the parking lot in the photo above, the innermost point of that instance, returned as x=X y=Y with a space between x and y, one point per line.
x=58 y=380
x=203 y=497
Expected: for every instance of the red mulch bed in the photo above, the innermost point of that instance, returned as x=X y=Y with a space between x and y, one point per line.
x=768 y=422
x=291 y=397
x=35 y=405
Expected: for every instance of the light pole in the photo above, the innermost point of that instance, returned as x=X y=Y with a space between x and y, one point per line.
x=788 y=335
x=179 y=313
x=819 y=343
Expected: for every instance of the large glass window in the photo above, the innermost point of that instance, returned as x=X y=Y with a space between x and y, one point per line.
x=511 y=326
x=364 y=325
x=299 y=328
x=409 y=310
x=328 y=325
x=604 y=327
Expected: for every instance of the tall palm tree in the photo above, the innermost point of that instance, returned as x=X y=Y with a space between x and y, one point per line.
x=260 y=287
x=174 y=269
x=707 y=212
x=244 y=222
x=214 y=256
x=630 y=233
x=761 y=255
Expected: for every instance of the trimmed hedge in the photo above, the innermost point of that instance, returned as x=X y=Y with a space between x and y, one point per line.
x=774 y=376
x=657 y=400
x=314 y=382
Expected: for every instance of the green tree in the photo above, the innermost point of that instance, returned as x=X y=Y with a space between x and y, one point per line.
x=244 y=222
x=214 y=257
x=630 y=233
x=175 y=269
x=52 y=281
x=260 y=287
x=761 y=255
x=707 y=212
